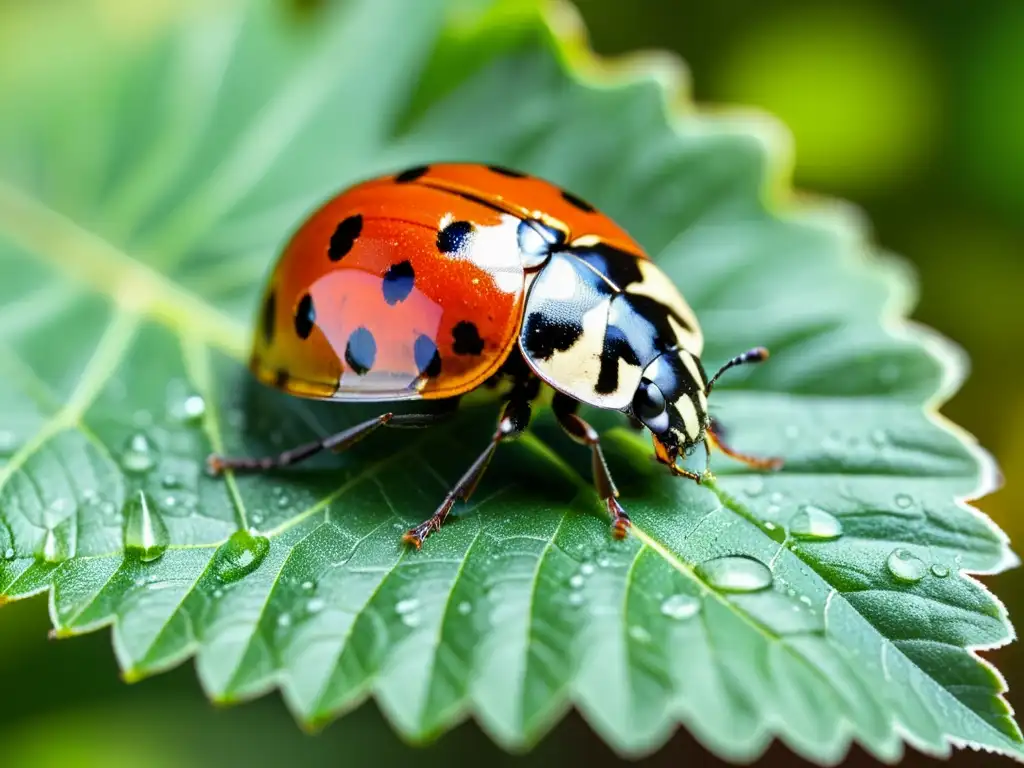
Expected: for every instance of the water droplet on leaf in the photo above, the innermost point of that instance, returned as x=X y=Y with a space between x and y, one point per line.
x=193 y=409
x=814 y=523
x=9 y=553
x=55 y=547
x=904 y=501
x=940 y=570
x=679 y=607
x=408 y=609
x=464 y=608
x=8 y=443
x=736 y=573
x=145 y=531
x=240 y=555
x=905 y=566
x=316 y=604
x=576 y=582
x=139 y=454
x=639 y=634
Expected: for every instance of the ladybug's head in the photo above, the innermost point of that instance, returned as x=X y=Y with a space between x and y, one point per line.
x=671 y=401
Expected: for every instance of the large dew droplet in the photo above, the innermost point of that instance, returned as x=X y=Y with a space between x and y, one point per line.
x=139 y=454
x=55 y=546
x=144 y=529
x=679 y=607
x=815 y=524
x=905 y=566
x=240 y=555
x=736 y=573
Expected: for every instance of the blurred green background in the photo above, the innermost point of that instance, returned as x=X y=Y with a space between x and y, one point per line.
x=913 y=110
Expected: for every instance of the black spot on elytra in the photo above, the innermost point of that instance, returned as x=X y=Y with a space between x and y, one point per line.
x=506 y=171
x=454 y=237
x=281 y=378
x=305 y=317
x=268 y=319
x=583 y=205
x=545 y=335
x=344 y=237
x=428 y=361
x=398 y=282
x=467 y=339
x=411 y=174
x=360 y=351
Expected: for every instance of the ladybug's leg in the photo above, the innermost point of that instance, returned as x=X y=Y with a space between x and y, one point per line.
x=514 y=420
x=338 y=442
x=714 y=435
x=565 y=409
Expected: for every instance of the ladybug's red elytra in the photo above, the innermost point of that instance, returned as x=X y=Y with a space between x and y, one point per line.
x=432 y=282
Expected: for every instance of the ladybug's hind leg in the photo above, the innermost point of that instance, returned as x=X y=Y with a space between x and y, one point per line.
x=565 y=409
x=337 y=442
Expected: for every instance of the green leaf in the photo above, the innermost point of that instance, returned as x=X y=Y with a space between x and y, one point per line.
x=152 y=167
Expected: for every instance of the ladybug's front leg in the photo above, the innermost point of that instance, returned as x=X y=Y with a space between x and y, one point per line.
x=565 y=411
x=514 y=420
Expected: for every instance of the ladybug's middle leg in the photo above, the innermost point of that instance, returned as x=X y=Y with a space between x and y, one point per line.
x=514 y=420
x=565 y=409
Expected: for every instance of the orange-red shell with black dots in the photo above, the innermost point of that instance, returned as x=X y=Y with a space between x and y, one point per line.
x=412 y=286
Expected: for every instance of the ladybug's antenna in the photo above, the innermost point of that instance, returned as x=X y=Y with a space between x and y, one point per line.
x=756 y=355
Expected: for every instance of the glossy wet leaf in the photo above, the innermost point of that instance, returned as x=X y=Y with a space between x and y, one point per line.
x=150 y=173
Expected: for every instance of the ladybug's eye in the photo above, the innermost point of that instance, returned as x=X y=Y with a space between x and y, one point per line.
x=648 y=402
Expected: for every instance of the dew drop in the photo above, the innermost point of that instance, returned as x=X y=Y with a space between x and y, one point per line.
x=407 y=606
x=904 y=501
x=315 y=605
x=940 y=570
x=284 y=620
x=679 y=607
x=576 y=598
x=586 y=569
x=639 y=634
x=240 y=555
x=576 y=582
x=736 y=573
x=8 y=442
x=408 y=609
x=55 y=547
x=171 y=482
x=145 y=531
x=777 y=498
x=754 y=488
x=464 y=608
x=905 y=566
x=139 y=454
x=815 y=524
x=307 y=585
x=9 y=553
x=193 y=409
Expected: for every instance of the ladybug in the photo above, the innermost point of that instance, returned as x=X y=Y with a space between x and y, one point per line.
x=442 y=279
